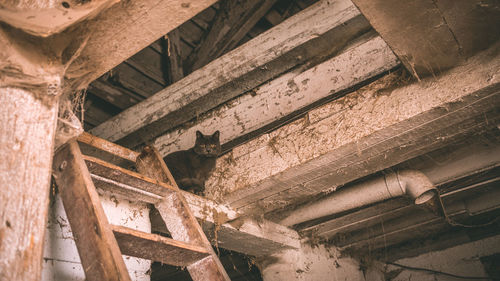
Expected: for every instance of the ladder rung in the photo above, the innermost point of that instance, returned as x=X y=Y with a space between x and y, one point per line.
x=129 y=184
x=108 y=147
x=157 y=248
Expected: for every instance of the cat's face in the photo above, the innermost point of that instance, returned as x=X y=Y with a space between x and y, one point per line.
x=208 y=145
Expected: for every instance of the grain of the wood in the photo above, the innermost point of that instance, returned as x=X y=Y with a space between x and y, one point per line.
x=231 y=23
x=179 y=219
x=124 y=176
x=175 y=70
x=117 y=96
x=359 y=134
x=157 y=248
x=97 y=246
x=287 y=94
x=127 y=77
x=109 y=147
x=144 y=21
x=45 y=18
x=452 y=31
x=264 y=57
x=26 y=146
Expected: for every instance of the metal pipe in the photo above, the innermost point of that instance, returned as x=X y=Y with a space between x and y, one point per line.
x=407 y=182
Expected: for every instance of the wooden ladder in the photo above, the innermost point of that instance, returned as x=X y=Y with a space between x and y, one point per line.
x=101 y=245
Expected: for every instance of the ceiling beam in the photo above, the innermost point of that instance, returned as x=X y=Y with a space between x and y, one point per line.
x=321 y=29
x=286 y=95
x=452 y=30
x=123 y=30
x=233 y=20
x=359 y=134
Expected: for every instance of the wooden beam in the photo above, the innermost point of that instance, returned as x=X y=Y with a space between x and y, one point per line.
x=99 y=252
x=26 y=146
x=172 y=54
x=233 y=20
x=451 y=32
x=287 y=94
x=359 y=134
x=45 y=18
x=145 y=21
x=298 y=39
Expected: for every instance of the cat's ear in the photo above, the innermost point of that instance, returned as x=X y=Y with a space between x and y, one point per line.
x=199 y=135
x=216 y=135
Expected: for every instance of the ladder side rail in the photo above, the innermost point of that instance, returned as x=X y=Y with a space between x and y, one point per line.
x=98 y=249
x=179 y=219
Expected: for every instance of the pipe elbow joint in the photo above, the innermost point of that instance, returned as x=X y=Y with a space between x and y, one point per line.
x=416 y=185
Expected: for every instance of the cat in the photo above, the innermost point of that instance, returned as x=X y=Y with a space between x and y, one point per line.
x=191 y=168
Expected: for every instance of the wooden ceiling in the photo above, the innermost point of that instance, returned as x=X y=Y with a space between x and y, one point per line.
x=150 y=70
x=203 y=39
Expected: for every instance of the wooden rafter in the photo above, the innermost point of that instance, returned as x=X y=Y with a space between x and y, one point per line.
x=233 y=20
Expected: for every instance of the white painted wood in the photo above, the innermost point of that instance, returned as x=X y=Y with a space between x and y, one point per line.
x=286 y=94
x=297 y=30
x=359 y=134
x=27 y=131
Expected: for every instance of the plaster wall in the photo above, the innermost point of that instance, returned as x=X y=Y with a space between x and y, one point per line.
x=61 y=260
x=461 y=260
x=318 y=263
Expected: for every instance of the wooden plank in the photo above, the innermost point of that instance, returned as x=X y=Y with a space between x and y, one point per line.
x=46 y=18
x=452 y=31
x=157 y=248
x=126 y=76
x=286 y=95
x=26 y=146
x=179 y=219
x=232 y=22
x=175 y=71
x=359 y=134
x=98 y=249
x=117 y=96
x=104 y=145
x=123 y=176
x=291 y=43
x=144 y=21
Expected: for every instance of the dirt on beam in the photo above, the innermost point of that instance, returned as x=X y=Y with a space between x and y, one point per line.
x=364 y=132
x=322 y=29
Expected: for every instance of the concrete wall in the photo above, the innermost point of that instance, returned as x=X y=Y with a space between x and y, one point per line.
x=61 y=260
x=461 y=260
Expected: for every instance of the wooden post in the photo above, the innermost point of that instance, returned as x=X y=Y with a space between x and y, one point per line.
x=27 y=131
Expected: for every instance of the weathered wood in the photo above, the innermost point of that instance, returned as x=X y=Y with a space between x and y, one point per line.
x=451 y=30
x=26 y=146
x=232 y=22
x=179 y=219
x=287 y=94
x=359 y=134
x=121 y=22
x=97 y=246
x=119 y=97
x=291 y=43
x=45 y=18
x=101 y=171
x=175 y=70
x=157 y=248
x=109 y=147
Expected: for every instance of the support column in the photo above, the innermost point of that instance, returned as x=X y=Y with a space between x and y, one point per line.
x=26 y=143
x=314 y=263
x=30 y=86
